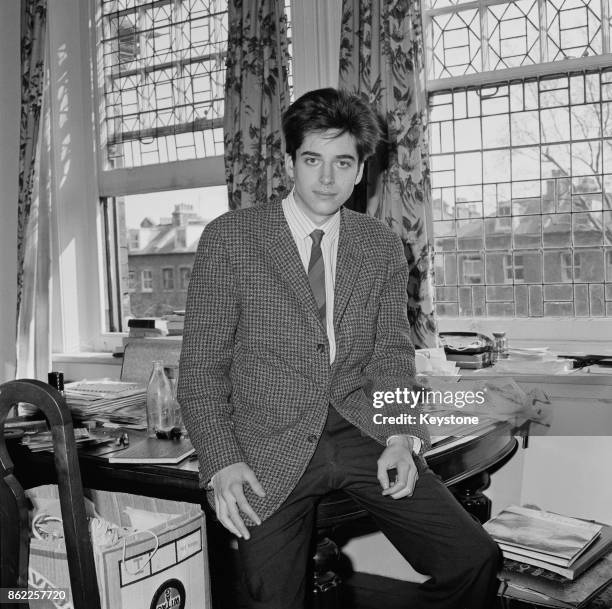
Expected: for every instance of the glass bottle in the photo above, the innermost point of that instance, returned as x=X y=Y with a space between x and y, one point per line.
x=160 y=403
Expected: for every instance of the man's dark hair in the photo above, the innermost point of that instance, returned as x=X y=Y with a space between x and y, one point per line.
x=324 y=109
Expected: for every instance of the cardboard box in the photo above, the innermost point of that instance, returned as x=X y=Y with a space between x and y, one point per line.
x=163 y=567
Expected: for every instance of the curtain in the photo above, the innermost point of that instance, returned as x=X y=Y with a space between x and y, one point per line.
x=381 y=57
x=256 y=95
x=33 y=228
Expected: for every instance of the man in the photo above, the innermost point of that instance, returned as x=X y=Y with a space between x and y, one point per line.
x=296 y=315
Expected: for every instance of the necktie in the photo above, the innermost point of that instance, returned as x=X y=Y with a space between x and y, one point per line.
x=316 y=272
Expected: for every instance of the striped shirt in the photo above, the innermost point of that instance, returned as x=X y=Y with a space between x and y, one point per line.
x=301 y=226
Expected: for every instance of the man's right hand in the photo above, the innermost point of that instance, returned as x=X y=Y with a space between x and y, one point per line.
x=228 y=484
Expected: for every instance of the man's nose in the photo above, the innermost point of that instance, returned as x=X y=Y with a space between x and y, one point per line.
x=327 y=174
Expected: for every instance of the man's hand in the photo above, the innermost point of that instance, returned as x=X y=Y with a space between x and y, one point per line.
x=398 y=455
x=230 y=500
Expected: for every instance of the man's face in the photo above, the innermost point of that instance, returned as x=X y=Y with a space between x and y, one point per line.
x=325 y=171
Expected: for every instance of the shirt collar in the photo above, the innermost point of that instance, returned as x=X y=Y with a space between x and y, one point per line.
x=301 y=225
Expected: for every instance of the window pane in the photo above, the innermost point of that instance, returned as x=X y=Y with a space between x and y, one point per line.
x=517 y=33
x=532 y=206
x=163 y=65
x=161 y=232
x=161 y=70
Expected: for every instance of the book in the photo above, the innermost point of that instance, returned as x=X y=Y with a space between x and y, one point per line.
x=152 y=450
x=601 y=546
x=551 y=537
x=543 y=588
x=151 y=323
x=467 y=360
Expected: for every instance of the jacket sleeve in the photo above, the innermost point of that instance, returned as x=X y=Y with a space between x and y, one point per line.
x=204 y=387
x=391 y=366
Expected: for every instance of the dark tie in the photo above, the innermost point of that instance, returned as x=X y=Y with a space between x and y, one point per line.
x=316 y=273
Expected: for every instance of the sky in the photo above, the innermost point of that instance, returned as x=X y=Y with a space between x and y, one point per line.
x=208 y=202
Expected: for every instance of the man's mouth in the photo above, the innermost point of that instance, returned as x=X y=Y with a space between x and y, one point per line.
x=324 y=193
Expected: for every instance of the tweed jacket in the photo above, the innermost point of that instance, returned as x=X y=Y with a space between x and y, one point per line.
x=255 y=381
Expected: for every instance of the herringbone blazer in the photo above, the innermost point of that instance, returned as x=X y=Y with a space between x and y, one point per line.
x=255 y=381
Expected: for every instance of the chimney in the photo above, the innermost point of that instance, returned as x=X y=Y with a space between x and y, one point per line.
x=181 y=214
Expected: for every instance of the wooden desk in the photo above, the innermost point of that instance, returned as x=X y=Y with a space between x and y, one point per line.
x=458 y=465
x=463 y=466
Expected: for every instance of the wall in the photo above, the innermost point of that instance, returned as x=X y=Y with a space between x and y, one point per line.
x=568 y=470
x=9 y=136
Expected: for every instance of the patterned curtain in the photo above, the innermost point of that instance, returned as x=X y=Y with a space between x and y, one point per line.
x=256 y=95
x=33 y=239
x=381 y=57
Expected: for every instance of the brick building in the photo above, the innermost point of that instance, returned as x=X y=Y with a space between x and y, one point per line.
x=160 y=257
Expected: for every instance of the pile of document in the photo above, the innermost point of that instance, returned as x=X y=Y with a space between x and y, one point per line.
x=108 y=401
x=43 y=441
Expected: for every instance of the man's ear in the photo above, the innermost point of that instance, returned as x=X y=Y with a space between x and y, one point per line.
x=289 y=165
x=359 y=173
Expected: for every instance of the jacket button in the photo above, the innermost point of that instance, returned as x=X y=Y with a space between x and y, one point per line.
x=321 y=348
x=312 y=438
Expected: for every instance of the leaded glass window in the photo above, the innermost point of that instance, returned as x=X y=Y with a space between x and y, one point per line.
x=521 y=157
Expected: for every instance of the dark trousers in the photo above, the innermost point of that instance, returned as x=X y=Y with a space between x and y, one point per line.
x=430 y=529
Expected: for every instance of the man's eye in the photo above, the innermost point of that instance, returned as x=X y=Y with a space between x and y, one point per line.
x=344 y=164
x=309 y=160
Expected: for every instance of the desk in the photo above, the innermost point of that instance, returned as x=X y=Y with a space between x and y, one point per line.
x=459 y=464
x=465 y=466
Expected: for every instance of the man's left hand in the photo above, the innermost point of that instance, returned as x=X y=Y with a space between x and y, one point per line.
x=398 y=455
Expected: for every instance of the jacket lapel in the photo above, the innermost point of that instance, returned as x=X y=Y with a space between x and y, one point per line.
x=284 y=254
x=348 y=266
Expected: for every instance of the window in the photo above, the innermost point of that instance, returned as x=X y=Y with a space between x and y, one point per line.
x=521 y=156
x=146 y=280
x=160 y=72
x=132 y=281
x=184 y=277
x=163 y=66
x=167 y=226
x=168 y=279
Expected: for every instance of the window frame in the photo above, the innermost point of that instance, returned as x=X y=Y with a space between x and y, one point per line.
x=184 y=283
x=122 y=182
x=78 y=276
x=168 y=278
x=146 y=281
x=584 y=332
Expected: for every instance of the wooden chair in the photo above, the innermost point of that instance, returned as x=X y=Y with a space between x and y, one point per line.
x=14 y=525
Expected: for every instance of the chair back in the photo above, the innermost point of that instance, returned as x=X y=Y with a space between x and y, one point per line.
x=14 y=522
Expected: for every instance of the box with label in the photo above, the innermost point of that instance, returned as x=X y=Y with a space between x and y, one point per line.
x=158 y=561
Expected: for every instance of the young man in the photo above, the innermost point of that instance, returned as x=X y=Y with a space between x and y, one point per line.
x=296 y=315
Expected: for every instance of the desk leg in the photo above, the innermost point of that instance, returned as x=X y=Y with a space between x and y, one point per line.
x=470 y=496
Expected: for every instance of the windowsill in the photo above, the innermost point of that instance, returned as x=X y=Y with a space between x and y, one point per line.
x=569 y=378
x=87 y=365
x=99 y=357
x=561 y=335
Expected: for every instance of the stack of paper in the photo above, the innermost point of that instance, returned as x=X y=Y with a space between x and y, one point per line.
x=43 y=441
x=561 y=544
x=105 y=400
